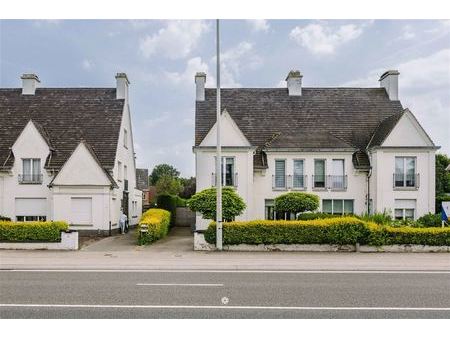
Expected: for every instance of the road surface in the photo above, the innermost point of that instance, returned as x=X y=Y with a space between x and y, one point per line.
x=223 y=294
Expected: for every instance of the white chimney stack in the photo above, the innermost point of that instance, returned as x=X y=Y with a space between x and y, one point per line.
x=29 y=84
x=122 y=86
x=294 y=83
x=200 y=81
x=389 y=81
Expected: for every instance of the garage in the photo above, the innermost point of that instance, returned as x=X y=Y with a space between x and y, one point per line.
x=31 y=209
x=81 y=211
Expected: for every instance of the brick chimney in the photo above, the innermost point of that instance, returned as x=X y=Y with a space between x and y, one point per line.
x=389 y=81
x=294 y=83
x=29 y=84
x=200 y=81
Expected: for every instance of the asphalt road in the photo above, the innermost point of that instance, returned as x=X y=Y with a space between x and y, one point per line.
x=224 y=294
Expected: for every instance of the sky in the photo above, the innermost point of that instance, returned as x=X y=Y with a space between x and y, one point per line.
x=161 y=58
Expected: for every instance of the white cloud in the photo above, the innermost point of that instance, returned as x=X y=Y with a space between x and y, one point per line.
x=259 y=25
x=87 y=64
x=407 y=33
x=154 y=122
x=323 y=39
x=176 y=40
x=186 y=77
x=424 y=84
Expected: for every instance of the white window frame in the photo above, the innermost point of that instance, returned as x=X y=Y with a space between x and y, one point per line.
x=343 y=205
x=404 y=186
x=324 y=174
x=403 y=211
x=303 y=187
x=275 y=187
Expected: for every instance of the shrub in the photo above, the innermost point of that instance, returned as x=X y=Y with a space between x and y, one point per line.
x=342 y=230
x=430 y=220
x=157 y=221
x=204 y=202
x=169 y=203
x=315 y=215
x=383 y=218
x=296 y=202
x=32 y=231
x=180 y=202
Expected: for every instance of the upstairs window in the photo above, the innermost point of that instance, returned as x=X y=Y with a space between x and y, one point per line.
x=405 y=172
x=319 y=174
x=228 y=171
x=119 y=171
x=299 y=178
x=280 y=174
x=125 y=138
x=31 y=171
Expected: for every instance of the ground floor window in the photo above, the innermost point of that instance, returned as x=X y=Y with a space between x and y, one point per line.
x=31 y=218
x=271 y=214
x=337 y=207
x=402 y=214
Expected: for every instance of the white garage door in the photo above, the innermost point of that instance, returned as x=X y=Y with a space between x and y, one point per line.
x=31 y=206
x=81 y=211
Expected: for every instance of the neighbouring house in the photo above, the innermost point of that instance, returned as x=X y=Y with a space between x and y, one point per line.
x=68 y=154
x=142 y=185
x=358 y=149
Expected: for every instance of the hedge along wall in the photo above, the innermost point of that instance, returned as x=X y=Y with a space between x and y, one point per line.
x=169 y=203
x=31 y=231
x=341 y=231
x=158 y=223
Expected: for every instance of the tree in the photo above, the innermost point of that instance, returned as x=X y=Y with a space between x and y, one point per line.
x=442 y=180
x=204 y=202
x=295 y=202
x=168 y=185
x=162 y=170
x=189 y=187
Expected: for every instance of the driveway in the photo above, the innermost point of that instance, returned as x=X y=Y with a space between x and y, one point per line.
x=179 y=240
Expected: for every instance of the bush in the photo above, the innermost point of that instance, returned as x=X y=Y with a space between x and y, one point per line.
x=169 y=203
x=307 y=216
x=32 y=231
x=430 y=220
x=157 y=221
x=296 y=202
x=383 y=218
x=180 y=202
x=204 y=202
x=340 y=230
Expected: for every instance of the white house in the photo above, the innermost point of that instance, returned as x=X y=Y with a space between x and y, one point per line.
x=358 y=149
x=68 y=154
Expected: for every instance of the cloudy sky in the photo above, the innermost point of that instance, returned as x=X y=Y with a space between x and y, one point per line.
x=161 y=58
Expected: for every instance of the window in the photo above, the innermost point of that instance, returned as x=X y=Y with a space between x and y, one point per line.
x=228 y=171
x=31 y=171
x=280 y=174
x=270 y=213
x=125 y=172
x=337 y=207
x=81 y=211
x=319 y=174
x=405 y=172
x=125 y=138
x=30 y=209
x=404 y=209
x=298 y=179
x=31 y=218
x=338 y=177
x=119 y=171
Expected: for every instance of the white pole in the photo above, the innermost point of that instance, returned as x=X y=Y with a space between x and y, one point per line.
x=219 y=150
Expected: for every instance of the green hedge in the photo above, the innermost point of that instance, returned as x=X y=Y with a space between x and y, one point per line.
x=169 y=203
x=307 y=216
x=341 y=231
x=158 y=223
x=32 y=231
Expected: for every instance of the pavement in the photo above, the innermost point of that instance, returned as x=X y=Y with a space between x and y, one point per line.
x=115 y=278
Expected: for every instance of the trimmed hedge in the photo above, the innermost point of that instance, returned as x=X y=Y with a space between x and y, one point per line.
x=169 y=203
x=158 y=222
x=307 y=216
x=341 y=231
x=32 y=231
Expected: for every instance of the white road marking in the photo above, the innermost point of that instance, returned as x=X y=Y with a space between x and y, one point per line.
x=231 y=307
x=240 y=271
x=176 y=284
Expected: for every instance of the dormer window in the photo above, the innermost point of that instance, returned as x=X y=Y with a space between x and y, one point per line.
x=31 y=171
x=125 y=138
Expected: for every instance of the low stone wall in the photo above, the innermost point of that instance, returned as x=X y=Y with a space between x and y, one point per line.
x=200 y=244
x=69 y=241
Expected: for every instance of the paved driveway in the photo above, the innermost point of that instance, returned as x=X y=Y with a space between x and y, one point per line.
x=180 y=239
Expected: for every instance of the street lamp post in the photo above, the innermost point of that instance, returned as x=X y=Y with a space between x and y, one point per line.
x=218 y=148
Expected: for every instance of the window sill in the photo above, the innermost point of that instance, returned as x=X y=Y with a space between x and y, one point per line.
x=279 y=189
x=299 y=189
x=32 y=183
x=406 y=188
x=319 y=189
x=338 y=189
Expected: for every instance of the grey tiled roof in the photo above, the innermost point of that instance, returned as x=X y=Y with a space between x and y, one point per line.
x=319 y=118
x=142 y=179
x=383 y=129
x=65 y=117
